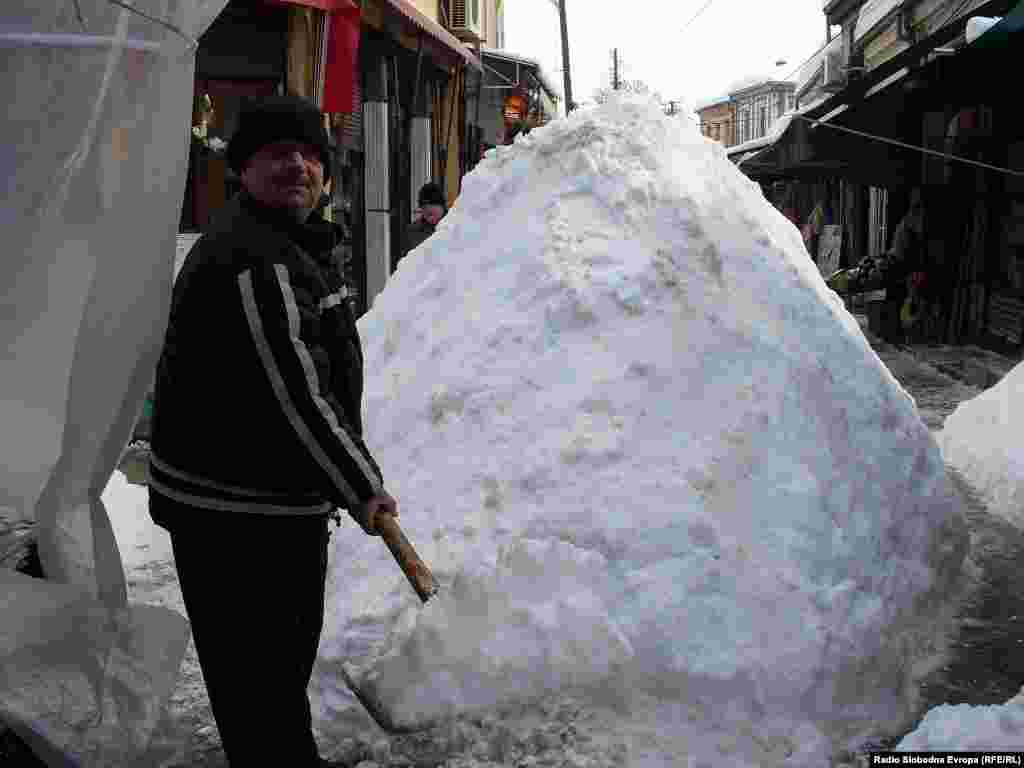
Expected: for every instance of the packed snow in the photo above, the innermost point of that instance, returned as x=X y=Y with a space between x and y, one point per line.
x=981 y=438
x=648 y=455
x=138 y=540
x=966 y=727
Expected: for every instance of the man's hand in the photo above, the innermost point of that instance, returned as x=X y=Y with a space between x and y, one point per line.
x=367 y=514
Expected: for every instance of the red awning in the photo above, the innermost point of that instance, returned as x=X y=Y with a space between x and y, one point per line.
x=436 y=31
x=322 y=5
x=343 y=29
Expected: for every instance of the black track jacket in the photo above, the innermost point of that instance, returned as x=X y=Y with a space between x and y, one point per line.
x=259 y=386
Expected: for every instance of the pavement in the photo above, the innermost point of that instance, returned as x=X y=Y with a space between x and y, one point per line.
x=968 y=364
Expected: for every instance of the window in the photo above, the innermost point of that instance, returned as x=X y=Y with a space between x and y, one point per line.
x=764 y=121
x=500 y=42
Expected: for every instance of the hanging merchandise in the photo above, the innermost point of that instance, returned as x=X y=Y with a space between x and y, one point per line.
x=515 y=107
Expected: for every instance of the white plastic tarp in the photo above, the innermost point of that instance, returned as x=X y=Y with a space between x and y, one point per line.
x=94 y=151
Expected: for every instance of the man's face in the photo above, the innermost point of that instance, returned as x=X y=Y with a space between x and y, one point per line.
x=432 y=214
x=285 y=174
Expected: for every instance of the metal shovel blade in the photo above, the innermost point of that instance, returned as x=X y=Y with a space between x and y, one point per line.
x=425 y=586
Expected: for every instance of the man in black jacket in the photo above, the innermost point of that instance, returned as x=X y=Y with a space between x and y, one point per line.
x=432 y=208
x=257 y=435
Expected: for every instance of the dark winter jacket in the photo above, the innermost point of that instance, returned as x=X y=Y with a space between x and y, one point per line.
x=259 y=386
x=416 y=234
x=907 y=257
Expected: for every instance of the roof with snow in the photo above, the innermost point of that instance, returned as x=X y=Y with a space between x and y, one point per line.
x=711 y=102
x=515 y=58
x=750 y=84
x=778 y=128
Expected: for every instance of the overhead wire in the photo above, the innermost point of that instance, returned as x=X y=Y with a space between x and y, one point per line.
x=914 y=147
x=807 y=60
x=696 y=16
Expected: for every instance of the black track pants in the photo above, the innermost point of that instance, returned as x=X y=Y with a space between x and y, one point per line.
x=253 y=587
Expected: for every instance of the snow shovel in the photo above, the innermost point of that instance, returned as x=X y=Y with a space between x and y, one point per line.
x=423 y=583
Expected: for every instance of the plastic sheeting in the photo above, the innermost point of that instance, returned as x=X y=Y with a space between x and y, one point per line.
x=93 y=150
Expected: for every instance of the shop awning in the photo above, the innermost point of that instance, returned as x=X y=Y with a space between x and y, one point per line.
x=320 y=5
x=532 y=64
x=751 y=155
x=1000 y=34
x=434 y=30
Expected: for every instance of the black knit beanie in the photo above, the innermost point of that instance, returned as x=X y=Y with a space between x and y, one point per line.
x=278 y=118
x=431 y=194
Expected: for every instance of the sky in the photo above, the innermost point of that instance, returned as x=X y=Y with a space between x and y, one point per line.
x=729 y=41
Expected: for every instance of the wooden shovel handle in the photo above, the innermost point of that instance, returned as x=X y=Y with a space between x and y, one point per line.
x=415 y=570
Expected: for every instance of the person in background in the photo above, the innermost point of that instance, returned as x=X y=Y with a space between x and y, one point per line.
x=905 y=269
x=788 y=207
x=906 y=289
x=257 y=435
x=432 y=208
x=816 y=221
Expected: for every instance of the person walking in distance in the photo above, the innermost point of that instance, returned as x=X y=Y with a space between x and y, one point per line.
x=432 y=208
x=257 y=435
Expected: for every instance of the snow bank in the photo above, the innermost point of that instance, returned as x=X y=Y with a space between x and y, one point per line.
x=640 y=442
x=981 y=438
x=963 y=727
x=138 y=539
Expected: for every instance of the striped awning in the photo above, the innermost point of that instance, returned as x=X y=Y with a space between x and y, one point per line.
x=427 y=25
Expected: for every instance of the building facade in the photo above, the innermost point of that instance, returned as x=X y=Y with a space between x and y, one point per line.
x=758 y=106
x=718 y=121
x=906 y=106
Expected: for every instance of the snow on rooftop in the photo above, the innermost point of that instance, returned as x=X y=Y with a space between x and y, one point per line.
x=711 y=101
x=748 y=81
x=639 y=440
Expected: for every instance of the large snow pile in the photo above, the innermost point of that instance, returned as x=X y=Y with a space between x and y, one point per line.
x=640 y=442
x=981 y=438
x=966 y=727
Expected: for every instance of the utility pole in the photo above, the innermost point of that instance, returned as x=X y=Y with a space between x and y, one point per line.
x=616 y=84
x=570 y=105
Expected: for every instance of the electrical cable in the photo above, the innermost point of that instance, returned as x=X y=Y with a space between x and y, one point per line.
x=807 y=60
x=955 y=14
x=696 y=16
x=904 y=145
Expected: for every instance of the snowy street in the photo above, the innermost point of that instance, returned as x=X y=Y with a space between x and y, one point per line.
x=987 y=664
x=986 y=668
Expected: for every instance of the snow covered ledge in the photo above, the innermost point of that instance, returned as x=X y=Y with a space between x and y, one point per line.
x=644 y=446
